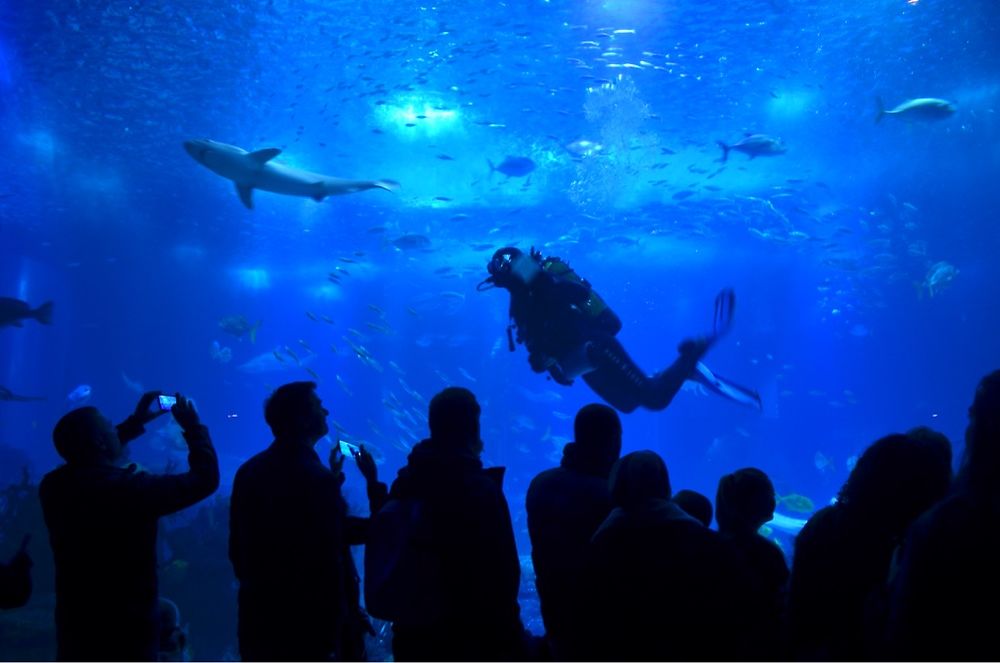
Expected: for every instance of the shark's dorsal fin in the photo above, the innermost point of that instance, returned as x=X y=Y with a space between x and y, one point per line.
x=265 y=155
x=246 y=195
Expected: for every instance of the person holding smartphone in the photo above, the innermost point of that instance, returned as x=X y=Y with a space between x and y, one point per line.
x=290 y=535
x=102 y=517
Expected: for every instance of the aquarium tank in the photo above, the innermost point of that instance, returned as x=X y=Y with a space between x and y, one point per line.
x=219 y=198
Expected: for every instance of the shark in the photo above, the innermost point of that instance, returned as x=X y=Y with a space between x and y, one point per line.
x=257 y=170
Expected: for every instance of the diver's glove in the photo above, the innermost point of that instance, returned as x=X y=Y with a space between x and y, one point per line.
x=557 y=374
x=539 y=362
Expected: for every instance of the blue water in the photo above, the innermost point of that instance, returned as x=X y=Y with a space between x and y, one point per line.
x=827 y=246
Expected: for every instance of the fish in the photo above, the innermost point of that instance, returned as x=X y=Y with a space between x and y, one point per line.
x=796 y=503
x=754 y=145
x=8 y=395
x=546 y=396
x=13 y=311
x=411 y=242
x=925 y=109
x=255 y=170
x=79 y=395
x=787 y=523
x=238 y=325
x=939 y=277
x=133 y=385
x=272 y=362
x=513 y=166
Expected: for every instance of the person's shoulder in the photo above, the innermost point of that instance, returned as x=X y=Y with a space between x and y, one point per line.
x=546 y=478
x=955 y=512
x=255 y=463
x=827 y=517
x=51 y=480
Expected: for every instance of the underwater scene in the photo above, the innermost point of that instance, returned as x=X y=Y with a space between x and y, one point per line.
x=219 y=198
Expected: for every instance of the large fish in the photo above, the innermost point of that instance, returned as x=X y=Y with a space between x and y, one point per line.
x=513 y=166
x=8 y=395
x=754 y=145
x=274 y=362
x=13 y=311
x=923 y=110
x=256 y=170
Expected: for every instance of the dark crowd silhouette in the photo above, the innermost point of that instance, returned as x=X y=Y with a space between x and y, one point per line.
x=901 y=566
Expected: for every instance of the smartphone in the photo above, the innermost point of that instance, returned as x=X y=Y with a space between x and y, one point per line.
x=166 y=402
x=349 y=449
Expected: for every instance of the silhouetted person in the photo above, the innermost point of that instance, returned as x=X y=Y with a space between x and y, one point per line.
x=565 y=506
x=463 y=562
x=695 y=505
x=290 y=537
x=944 y=595
x=102 y=519
x=173 y=637
x=661 y=586
x=570 y=331
x=844 y=552
x=745 y=500
x=15 y=578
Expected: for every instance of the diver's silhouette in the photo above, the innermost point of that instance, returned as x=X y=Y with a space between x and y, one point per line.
x=570 y=332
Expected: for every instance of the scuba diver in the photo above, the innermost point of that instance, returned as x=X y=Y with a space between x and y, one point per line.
x=570 y=332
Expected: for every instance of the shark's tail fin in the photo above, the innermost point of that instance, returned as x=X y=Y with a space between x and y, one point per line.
x=881 y=110
x=388 y=185
x=253 y=331
x=43 y=313
x=493 y=168
x=725 y=150
x=723 y=387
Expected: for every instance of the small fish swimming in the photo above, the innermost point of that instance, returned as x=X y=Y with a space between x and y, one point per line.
x=79 y=395
x=133 y=385
x=939 y=276
x=411 y=242
x=513 y=166
x=754 y=145
x=921 y=110
x=13 y=311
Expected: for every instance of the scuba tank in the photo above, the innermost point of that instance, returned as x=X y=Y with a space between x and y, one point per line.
x=595 y=308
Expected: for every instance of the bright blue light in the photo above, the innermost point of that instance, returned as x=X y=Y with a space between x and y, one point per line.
x=255 y=279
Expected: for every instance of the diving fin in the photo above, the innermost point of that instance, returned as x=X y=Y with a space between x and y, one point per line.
x=723 y=387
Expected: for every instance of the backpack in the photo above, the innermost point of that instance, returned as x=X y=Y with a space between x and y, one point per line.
x=402 y=571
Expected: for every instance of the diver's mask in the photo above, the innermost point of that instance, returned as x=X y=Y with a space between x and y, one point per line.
x=509 y=266
x=501 y=268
